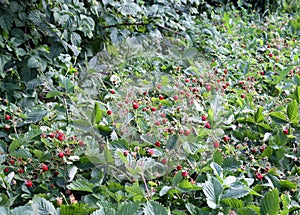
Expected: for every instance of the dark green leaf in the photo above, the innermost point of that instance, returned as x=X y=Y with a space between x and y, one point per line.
x=154 y=208
x=81 y=185
x=171 y=143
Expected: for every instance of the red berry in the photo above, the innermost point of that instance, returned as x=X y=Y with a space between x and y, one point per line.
x=286 y=131
x=61 y=137
x=262 y=149
x=61 y=154
x=153 y=109
x=44 y=168
x=270 y=55
x=81 y=143
x=157 y=123
x=51 y=135
x=242 y=96
x=187 y=132
x=12 y=162
x=109 y=112
x=112 y=91
x=208 y=87
x=179 y=167
x=28 y=183
x=184 y=173
x=157 y=143
x=175 y=97
x=151 y=152
x=226 y=138
x=203 y=118
x=21 y=171
x=43 y=135
x=216 y=144
x=207 y=125
x=161 y=97
x=59 y=201
x=164 y=161
x=225 y=71
x=6 y=169
x=6 y=127
x=135 y=105
x=125 y=153
x=259 y=176
x=7 y=117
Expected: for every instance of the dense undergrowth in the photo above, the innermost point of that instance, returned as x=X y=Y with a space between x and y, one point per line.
x=107 y=111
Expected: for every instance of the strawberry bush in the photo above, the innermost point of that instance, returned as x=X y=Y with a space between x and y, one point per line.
x=149 y=107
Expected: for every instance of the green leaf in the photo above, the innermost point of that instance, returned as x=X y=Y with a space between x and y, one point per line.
x=246 y=211
x=42 y=206
x=172 y=141
x=21 y=153
x=185 y=185
x=108 y=157
x=15 y=144
x=287 y=185
x=218 y=157
x=75 y=209
x=278 y=117
x=97 y=114
x=22 y=210
x=128 y=208
x=233 y=203
x=217 y=169
x=292 y=110
x=270 y=203
x=52 y=94
x=258 y=117
x=164 y=190
x=35 y=116
x=81 y=185
x=212 y=190
x=235 y=193
x=297 y=94
x=154 y=208
x=177 y=178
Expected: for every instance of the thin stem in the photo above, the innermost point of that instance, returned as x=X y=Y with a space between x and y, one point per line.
x=147 y=190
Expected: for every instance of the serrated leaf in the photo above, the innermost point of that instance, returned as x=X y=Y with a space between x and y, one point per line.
x=177 y=178
x=108 y=156
x=74 y=209
x=292 y=110
x=217 y=169
x=218 y=157
x=148 y=139
x=235 y=193
x=154 y=208
x=42 y=206
x=14 y=145
x=278 y=117
x=52 y=94
x=246 y=211
x=97 y=114
x=297 y=92
x=171 y=143
x=21 y=153
x=36 y=116
x=99 y=212
x=288 y=185
x=185 y=185
x=81 y=185
x=233 y=203
x=270 y=203
x=75 y=39
x=128 y=208
x=212 y=190
x=164 y=190
x=258 y=117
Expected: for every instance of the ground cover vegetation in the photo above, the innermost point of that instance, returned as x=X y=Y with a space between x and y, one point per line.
x=149 y=107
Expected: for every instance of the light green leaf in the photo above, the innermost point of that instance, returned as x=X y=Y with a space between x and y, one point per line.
x=258 y=115
x=233 y=203
x=235 y=193
x=278 y=117
x=217 y=169
x=292 y=110
x=164 y=190
x=154 y=208
x=212 y=190
x=172 y=141
x=128 y=208
x=270 y=203
x=81 y=185
x=42 y=206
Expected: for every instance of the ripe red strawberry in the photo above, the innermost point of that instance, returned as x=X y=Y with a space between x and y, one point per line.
x=153 y=109
x=21 y=171
x=262 y=149
x=286 y=131
x=161 y=97
x=242 y=96
x=226 y=138
x=28 y=183
x=109 y=112
x=51 y=135
x=61 y=154
x=81 y=143
x=43 y=135
x=175 y=97
x=151 y=152
x=125 y=153
x=270 y=55
x=112 y=91
x=6 y=127
x=45 y=168
x=7 y=117
x=187 y=132
x=184 y=173
x=216 y=144
x=208 y=87
x=203 y=118
x=164 y=161
x=179 y=167
x=207 y=125
x=259 y=176
x=135 y=105
x=6 y=169
x=12 y=162
x=157 y=143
